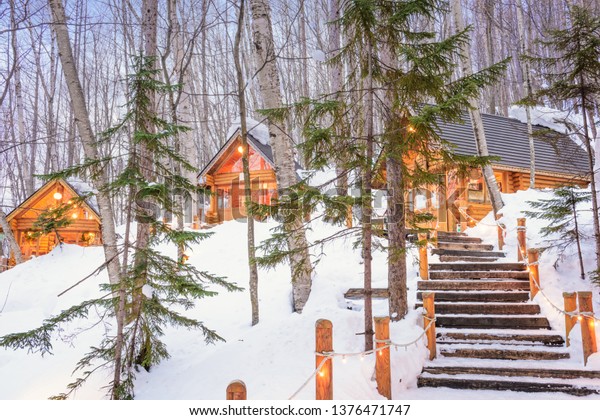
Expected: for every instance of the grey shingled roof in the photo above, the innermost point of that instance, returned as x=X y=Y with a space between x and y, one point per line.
x=507 y=138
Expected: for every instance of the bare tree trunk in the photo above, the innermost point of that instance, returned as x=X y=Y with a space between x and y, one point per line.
x=475 y=114
x=89 y=143
x=527 y=89
x=396 y=215
x=12 y=243
x=22 y=139
x=253 y=271
x=367 y=209
x=335 y=77
x=283 y=153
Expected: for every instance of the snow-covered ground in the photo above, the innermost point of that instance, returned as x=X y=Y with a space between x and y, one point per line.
x=275 y=357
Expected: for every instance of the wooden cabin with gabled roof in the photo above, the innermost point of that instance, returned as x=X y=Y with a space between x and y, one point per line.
x=224 y=176
x=83 y=228
x=464 y=200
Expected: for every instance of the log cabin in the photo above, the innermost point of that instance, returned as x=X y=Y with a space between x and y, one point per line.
x=83 y=229
x=224 y=177
x=464 y=200
x=454 y=201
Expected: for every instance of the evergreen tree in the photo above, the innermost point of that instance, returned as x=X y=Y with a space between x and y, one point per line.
x=170 y=285
x=410 y=73
x=562 y=216
x=573 y=75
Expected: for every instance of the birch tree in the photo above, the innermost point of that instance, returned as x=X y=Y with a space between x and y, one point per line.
x=283 y=152
x=475 y=115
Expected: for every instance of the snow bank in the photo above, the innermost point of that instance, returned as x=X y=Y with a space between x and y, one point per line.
x=275 y=357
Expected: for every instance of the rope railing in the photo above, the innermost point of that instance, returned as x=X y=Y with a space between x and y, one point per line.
x=580 y=315
x=329 y=355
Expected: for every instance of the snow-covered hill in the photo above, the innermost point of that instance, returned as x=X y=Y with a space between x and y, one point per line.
x=273 y=358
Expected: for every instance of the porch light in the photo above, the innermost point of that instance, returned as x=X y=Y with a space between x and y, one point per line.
x=241 y=149
x=74 y=216
x=57 y=195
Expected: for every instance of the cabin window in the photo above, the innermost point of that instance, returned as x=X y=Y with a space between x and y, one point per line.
x=476 y=191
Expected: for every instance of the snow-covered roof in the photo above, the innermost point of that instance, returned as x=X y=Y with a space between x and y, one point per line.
x=85 y=189
x=256 y=129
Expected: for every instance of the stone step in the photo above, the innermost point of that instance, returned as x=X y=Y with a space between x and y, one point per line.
x=451 y=275
x=484 y=266
x=464 y=253
x=497 y=321
x=457 y=258
x=442 y=234
x=456 y=337
x=485 y=309
x=506 y=371
x=464 y=246
x=433 y=285
x=459 y=239
x=465 y=351
x=478 y=296
x=359 y=293
x=502 y=385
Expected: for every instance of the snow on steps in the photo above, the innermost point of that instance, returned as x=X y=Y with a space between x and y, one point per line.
x=489 y=331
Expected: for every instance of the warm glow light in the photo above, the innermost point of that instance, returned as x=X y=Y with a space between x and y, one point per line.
x=321 y=373
x=411 y=129
x=74 y=216
x=381 y=352
x=240 y=149
x=57 y=195
x=579 y=318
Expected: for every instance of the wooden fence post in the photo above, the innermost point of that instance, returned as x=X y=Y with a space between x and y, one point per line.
x=382 y=359
x=236 y=390
x=423 y=259
x=533 y=256
x=500 y=228
x=324 y=343
x=521 y=238
x=570 y=306
x=429 y=307
x=588 y=329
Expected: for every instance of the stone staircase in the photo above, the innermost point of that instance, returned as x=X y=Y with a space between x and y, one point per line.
x=489 y=335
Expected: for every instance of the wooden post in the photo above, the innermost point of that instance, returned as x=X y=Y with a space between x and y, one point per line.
x=423 y=262
x=500 y=232
x=588 y=329
x=236 y=390
x=533 y=256
x=324 y=343
x=521 y=238
x=349 y=219
x=570 y=320
x=429 y=307
x=382 y=359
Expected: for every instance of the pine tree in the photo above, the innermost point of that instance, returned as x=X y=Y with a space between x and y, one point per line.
x=419 y=73
x=561 y=212
x=573 y=75
x=170 y=285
